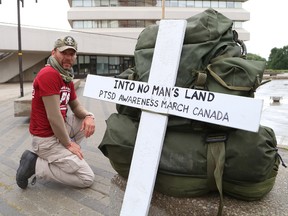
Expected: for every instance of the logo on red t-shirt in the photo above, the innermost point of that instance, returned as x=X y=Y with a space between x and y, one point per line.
x=64 y=98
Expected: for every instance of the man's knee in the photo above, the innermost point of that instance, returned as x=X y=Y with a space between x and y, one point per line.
x=88 y=180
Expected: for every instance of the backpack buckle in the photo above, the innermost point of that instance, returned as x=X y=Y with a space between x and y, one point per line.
x=213 y=138
x=200 y=80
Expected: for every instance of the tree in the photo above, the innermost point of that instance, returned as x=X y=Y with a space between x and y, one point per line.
x=278 y=58
x=251 y=56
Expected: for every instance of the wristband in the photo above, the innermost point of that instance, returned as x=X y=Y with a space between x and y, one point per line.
x=91 y=115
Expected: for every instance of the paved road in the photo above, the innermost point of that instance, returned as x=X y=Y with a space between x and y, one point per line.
x=275 y=115
x=54 y=199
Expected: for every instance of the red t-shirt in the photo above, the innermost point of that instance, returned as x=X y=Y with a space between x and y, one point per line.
x=48 y=82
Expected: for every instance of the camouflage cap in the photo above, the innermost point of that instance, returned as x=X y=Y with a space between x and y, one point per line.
x=66 y=43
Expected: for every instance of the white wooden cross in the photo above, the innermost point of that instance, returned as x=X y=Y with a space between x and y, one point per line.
x=157 y=99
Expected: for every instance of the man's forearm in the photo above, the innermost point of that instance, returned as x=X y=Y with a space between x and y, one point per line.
x=55 y=118
x=59 y=129
x=79 y=110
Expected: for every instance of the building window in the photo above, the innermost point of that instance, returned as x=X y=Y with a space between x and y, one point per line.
x=95 y=3
x=190 y=4
x=101 y=65
x=89 y=24
x=96 y=24
x=238 y=4
x=114 y=65
x=157 y=3
x=113 y=24
x=214 y=4
x=113 y=3
x=140 y=23
x=87 y=3
x=198 y=4
x=222 y=4
x=78 y=24
x=77 y=3
x=230 y=4
x=104 y=3
x=84 y=65
x=206 y=4
x=104 y=24
x=173 y=3
x=182 y=3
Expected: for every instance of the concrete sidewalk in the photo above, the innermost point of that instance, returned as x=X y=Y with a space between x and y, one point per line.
x=54 y=199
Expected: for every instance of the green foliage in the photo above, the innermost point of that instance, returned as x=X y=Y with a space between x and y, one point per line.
x=278 y=59
x=251 y=56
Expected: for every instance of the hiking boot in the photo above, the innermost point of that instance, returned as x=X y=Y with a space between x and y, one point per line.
x=26 y=168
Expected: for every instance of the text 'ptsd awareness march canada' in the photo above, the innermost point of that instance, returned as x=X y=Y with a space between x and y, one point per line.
x=216 y=108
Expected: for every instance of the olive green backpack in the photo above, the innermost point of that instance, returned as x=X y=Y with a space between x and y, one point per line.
x=198 y=157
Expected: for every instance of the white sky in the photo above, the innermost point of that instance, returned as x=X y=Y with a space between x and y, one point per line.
x=267 y=25
x=44 y=13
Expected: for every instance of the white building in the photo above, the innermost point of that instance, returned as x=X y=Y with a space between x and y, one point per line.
x=106 y=32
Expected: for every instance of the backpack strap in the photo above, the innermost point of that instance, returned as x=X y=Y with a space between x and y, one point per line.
x=215 y=164
x=222 y=82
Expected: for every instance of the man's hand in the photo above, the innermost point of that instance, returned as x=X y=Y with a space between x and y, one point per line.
x=75 y=149
x=88 y=126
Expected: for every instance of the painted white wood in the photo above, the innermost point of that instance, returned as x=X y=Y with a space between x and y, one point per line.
x=221 y=109
x=152 y=127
